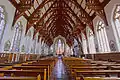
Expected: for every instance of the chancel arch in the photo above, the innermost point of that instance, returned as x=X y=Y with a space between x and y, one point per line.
x=59 y=45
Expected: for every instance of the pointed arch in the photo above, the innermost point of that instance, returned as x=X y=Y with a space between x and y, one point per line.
x=28 y=38
x=84 y=44
x=17 y=37
x=59 y=44
x=102 y=37
x=91 y=43
x=76 y=48
x=116 y=21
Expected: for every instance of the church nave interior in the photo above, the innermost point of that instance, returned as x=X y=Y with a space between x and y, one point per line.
x=59 y=39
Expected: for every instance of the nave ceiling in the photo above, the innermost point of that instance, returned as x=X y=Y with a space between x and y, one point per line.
x=51 y=18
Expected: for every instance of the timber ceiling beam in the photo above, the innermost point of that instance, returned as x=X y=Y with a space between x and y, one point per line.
x=76 y=17
x=39 y=20
x=98 y=7
x=36 y=14
x=84 y=16
x=21 y=7
x=37 y=11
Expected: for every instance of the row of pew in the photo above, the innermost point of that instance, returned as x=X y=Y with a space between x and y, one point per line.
x=85 y=69
x=7 y=57
x=30 y=70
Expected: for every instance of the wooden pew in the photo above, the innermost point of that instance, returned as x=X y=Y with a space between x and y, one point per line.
x=86 y=68
x=48 y=65
x=24 y=73
x=29 y=67
x=94 y=68
x=3 y=64
x=84 y=65
x=97 y=78
x=89 y=68
x=18 y=78
x=76 y=61
x=33 y=68
x=97 y=73
x=102 y=62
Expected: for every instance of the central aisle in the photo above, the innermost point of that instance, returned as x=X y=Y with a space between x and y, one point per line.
x=59 y=72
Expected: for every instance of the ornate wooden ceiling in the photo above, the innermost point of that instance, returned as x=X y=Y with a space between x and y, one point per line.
x=67 y=18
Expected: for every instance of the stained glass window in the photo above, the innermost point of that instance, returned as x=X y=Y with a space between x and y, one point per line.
x=28 y=38
x=2 y=21
x=84 y=44
x=102 y=37
x=91 y=43
x=116 y=28
x=17 y=37
x=34 y=45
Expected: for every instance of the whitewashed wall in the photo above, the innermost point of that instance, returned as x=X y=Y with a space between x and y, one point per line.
x=9 y=29
x=109 y=9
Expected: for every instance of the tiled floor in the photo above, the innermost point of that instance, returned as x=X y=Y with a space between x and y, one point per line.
x=60 y=72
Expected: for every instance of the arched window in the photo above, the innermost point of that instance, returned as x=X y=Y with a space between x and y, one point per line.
x=7 y=46
x=91 y=42
x=116 y=21
x=51 y=49
x=28 y=38
x=84 y=44
x=17 y=37
x=34 y=45
x=2 y=21
x=102 y=37
x=42 y=47
x=60 y=46
x=76 y=48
